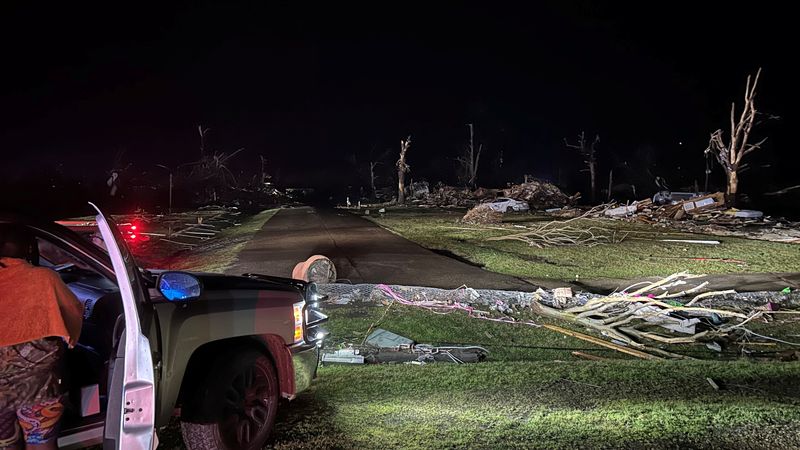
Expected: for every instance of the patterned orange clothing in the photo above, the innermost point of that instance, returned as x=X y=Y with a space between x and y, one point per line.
x=36 y=304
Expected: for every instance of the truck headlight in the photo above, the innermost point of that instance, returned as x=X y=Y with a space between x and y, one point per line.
x=297 y=310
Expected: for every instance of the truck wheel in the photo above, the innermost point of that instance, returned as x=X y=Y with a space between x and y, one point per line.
x=246 y=389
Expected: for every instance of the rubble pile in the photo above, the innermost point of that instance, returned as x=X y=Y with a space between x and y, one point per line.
x=451 y=196
x=539 y=194
x=649 y=320
x=482 y=215
x=708 y=214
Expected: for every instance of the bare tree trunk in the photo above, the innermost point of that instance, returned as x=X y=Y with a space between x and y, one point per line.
x=733 y=188
x=730 y=153
x=372 y=165
x=402 y=169
x=610 y=183
x=470 y=159
x=401 y=186
x=589 y=152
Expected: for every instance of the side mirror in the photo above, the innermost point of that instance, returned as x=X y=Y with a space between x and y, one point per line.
x=179 y=286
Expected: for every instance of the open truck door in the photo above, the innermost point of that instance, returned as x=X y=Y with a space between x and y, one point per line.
x=130 y=417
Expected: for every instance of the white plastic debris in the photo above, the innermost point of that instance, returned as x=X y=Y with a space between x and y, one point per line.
x=343 y=356
x=621 y=211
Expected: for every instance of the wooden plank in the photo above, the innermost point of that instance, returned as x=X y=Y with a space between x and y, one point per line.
x=602 y=343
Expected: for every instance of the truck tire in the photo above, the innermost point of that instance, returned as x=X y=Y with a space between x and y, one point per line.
x=243 y=388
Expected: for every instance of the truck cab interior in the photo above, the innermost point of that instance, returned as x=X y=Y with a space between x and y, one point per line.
x=87 y=366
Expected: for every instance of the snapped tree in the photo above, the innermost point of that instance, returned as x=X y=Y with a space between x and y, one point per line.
x=402 y=170
x=470 y=159
x=211 y=170
x=589 y=153
x=730 y=153
x=375 y=160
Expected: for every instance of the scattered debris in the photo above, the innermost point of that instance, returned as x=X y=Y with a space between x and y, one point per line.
x=386 y=339
x=600 y=342
x=705 y=214
x=343 y=356
x=713 y=383
x=692 y=241
x=641 y=322
x=714 y=346
x=621 y=211
x=420 y=189
x=452 y=196
x=383 y=346
x=745 y=213
x=317 y=268
x=716 y=200
x=561 y=296
x=539 y=194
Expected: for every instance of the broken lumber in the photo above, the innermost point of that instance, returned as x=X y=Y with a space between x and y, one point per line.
x=600 y=342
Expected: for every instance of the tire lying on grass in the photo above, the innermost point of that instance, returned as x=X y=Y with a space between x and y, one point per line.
x=243 y=390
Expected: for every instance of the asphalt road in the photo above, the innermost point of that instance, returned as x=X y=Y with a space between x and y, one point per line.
x=366 y=253
x=362 y=252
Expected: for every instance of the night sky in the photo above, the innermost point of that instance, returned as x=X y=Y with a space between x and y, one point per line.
x=316 y=89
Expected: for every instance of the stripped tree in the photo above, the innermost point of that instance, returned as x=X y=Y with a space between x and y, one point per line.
x=375 y=160
x=402 y=170
x=211 y=169
x=470 y=159
x=589 y=153
x=730 y=154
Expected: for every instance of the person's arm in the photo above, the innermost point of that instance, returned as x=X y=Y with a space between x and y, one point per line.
x=71 y=309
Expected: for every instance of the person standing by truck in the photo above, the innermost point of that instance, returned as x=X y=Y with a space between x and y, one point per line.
x=39 y=317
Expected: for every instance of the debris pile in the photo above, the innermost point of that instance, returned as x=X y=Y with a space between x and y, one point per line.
x=452 y=196
x=643 y=320
x=420 y=190
x=706 y=214
x=482 y=214
x=539 y=194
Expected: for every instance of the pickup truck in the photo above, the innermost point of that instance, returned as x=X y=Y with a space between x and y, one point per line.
x=218 y=351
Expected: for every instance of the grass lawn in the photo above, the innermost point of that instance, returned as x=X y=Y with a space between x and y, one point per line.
x=640 y=253
x=532 y=393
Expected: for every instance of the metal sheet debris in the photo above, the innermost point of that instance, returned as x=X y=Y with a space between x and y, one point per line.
x=343 y=356
x=386 y=339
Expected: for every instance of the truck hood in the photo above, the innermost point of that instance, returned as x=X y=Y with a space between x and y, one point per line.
x=247 y=282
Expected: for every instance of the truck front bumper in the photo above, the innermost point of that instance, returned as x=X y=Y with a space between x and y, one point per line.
x=305 y=360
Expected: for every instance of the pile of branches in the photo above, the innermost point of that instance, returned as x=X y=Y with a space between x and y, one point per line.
x=482 y=215
x=562 y=233
x=539 y=194
x=651 y=314
x=641 y=322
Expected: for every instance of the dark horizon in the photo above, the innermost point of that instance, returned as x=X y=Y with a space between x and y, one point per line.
x=315 y=90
